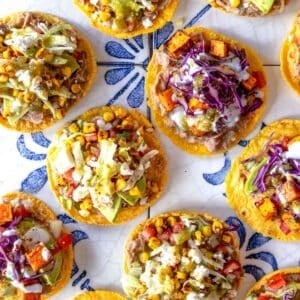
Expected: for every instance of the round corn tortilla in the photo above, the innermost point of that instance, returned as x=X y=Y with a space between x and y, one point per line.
x=273 y=11
x=239 y=200
x=198 y=148
x=83 y=44
x=43 y=213
x=287 y=62
x=99 y=295
x=165 y=16
x=152 y=221
x=129 y=212
x=264 y=279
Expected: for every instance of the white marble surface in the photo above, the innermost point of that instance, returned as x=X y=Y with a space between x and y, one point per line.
x=99 y=254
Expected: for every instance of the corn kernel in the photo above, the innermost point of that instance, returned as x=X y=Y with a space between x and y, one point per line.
x=56 y=83
x=171 y=221
x=2 y=69
x=144 y=256
x=108 y=116
x=8 y=36
x=81 y=140
x=226 y=238
x=75 y=88
x=61 y=101
x=135 y=192
x=11 y=74
x=198 y=235
x=166 y=270
x=86 y=204
x=127 y=123
x=1 y=39
x=154 y=243
x=153 y=297
x=159 y=230
x=90 y=8
x=120 y=185
x=159 y=222
x=61 y=180
x=142 y=290
x=49 y=57
x=59 y=114
x=15 y=93
x=7 y=54
x=217 y=226
x=3 y=78
x=66 y=71
x=189 y=267
x=29 y=97
x=9 y=68
x=184 y=251
x=104 y=16
x=181 y=275
x=105 y=2
x=73 y=128
x=207 y=231
x=155 y=188
x=120 y=112
x=89 y=127
x=40 y=53
x=234 y=3
x=177 y=284
x=21 y=95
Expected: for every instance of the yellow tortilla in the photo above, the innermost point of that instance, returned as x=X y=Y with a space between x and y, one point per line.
x=271 y=12
x=129 y=212
x=287 y=62
x=100 y=295
x=153 y=220
x=251 y=119
x=165 y=16
x=43 y=213
x=264 y=279
x=83 y=44
x=239 y=200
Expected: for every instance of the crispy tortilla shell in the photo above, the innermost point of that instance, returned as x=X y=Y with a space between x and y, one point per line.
x=43 y=213
x=99 y=295
x=129 y=212
x=83 y=44
x=239 y=200
x=199 y=148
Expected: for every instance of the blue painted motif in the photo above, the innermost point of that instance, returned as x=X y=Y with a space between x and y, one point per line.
x=25 y=152
x=266 y=257
x=136 y=97
x=255 y=271
x=35 y=181
x=237 y=225
x=139 y=40
x=244 y=143
x=218 y=177
x=78 y=235
x=256 y=241
x=75 y=269
x=113 y=76
x=162 y=35
x=79 y=278
x=200 y=14
x=66 y=219
x=86 y=285
x=40 y=139
x=115 y=49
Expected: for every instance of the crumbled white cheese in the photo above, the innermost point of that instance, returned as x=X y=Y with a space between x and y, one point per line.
x=200 y=272
x=46 y=254
x=147 y=22
x=293 y=150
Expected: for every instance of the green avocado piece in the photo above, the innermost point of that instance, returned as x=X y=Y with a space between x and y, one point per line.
x=25 y=225
x=110 y=213
x=131 y=200
x=249 y=187
x=141 y=184
x=181 y=237
x=263 y=5
x=51 y=278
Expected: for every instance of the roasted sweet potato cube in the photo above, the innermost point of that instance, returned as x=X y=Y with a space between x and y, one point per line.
x=290 y=191
x=218 y=48
x=195 y=104
x=178 y=42
x=165 y=98
x=250 y=83
x=36 y=258
x=260 y=79
x=31 y=296
x=268 y=209
x=6 y=214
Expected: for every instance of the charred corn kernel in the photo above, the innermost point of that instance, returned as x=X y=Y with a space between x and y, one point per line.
x=56 y=83
x=61 y=180
x=29 y=97
x=81 y=140
x=108 y=116
x=159 y=222
x=166 y=270
x=7 y=54
x=59 y=114
x=153 y=297
x=62 y=100
x=154 y=188
x=86 y=204
x=209 y=254
x=171 y=221
x=75 y=88
x=49 y=57
x=102 y=135
x=15 y=93
x=159 y=230
x=104 y=16
x=1 y=39
x=8 y=36
x=154 y=243
x=90 y=8
x=177 y=284
x=73 y=128
x=181 y=275
x=226 y=238
x=144 y=256
x=120 y=112
x=189 y=267
x=89 y=127
x=66 y=71
x=234 y=3
x=217 y=226
x=45 y=107
x=21 y=95
x=3 y=78
x=135 y=192
x=9 y=68
x=127 y=123
x=198 y=235
x=120 y=185
x=206 y=230
x=40 y=53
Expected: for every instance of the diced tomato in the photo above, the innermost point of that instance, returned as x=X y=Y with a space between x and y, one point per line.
x=250 y=83
x=68 y=175
x=277 y=282
x=178 y=227
x=91 y=137
x=166 y=235
x=285 y=142
x=36 y=259
x=149 y=232
x=284 y=227
x=262 y=297
x=32 y=296
x=21 y=211
x=65 y=241
x=29 y=281
x=260 y=79
x=231 y=267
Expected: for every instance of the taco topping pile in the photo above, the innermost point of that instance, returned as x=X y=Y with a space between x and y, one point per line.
x=250 y=8
x=205 y=89
x=42 y=69
x=104 y=164
x=272 y=180
x=280 y=286
x=31 y=251
x=124 y=15
x=182 y=257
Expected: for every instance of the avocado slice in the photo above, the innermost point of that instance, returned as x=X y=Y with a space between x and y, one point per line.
x=131 y=200
x=51 y=278
x=25 y=225
x=249 y=187
x=263 y=5
x=181 y=237
x=110 y=213
x=141 y=184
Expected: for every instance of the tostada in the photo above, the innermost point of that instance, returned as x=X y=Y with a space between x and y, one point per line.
x=99 y=295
